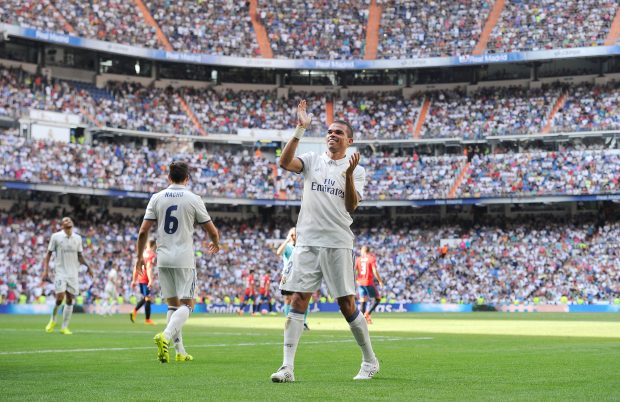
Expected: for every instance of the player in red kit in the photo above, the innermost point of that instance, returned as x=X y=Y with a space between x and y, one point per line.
x=250 y=293
x=265 y=292
x=366 y=271
x=144 y=280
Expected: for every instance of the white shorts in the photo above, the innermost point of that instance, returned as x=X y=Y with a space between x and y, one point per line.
x=177 y=282
x=286 y=272
x=64 y=284
x=312 y=264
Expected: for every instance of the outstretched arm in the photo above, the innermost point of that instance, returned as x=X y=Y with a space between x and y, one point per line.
x=287 y=159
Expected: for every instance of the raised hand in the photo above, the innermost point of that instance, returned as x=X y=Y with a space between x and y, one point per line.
x=355 y=159
x=303 y=118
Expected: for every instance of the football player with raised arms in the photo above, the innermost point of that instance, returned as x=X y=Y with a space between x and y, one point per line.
x=333 y=188
x=175 y=210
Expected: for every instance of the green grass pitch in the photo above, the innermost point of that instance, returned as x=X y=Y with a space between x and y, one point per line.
x=426 y=357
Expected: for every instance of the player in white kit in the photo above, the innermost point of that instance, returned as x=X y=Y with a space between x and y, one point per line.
x=67 y=247
x=110 y=292
x=333 y=188
x=175 y=210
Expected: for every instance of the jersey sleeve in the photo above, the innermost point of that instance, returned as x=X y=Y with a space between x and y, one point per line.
x=151 y=212
x=80 y=245
x=202 y=216
x=359 y=180
x=307 y=161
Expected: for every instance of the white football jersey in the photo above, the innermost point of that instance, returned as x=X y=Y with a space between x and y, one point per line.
x=323 y=219
x=176 y=210
x=66 y=249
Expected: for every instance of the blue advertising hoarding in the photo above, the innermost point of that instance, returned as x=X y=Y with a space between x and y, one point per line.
x=216 y=60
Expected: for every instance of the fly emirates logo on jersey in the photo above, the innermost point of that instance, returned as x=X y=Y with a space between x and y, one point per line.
x=327 y=187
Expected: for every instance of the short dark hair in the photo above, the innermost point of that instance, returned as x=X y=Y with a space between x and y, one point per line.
x=346 y=123
x=178 y=172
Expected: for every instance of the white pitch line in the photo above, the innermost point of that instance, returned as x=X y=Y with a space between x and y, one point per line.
x=95 y=331
x=217 y=345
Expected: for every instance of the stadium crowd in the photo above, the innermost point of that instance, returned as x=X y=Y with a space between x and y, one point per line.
x=110 y=20
x=430 y=28
x=379 y=115
x=590 y=108
x=527 y=25
x=316 y=29
x=572 y=172
x=215 y=27
x=498 y=262
x=311 y=30
x=226 y=112
x=488 y=112
x=135 y=107
x=239 y=173
x=135 y=168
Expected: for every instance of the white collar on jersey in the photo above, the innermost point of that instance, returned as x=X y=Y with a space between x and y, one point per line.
x=176 y=186
x=337 y=162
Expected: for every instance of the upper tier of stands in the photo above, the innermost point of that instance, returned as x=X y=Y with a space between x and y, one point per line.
x=318 y=29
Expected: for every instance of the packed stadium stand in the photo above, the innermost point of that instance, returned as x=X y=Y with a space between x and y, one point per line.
x=551 y=24
x=498 y=262
x=431 y=29
x=316 y=29
x=215 y=27
x=298 y=29
x=237 y=173
x=379 y=115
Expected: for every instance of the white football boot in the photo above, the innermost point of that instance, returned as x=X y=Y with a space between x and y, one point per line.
x=284 y=374
x=368 y=370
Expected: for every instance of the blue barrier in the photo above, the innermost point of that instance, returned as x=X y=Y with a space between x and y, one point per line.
x=210 y=59
x=233 y=308
x=594 y=308
x=331 y=308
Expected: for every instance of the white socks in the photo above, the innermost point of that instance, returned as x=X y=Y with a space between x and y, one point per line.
x=360 y=332
x=176 y=320
x=67 y=312
x=293 y=329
